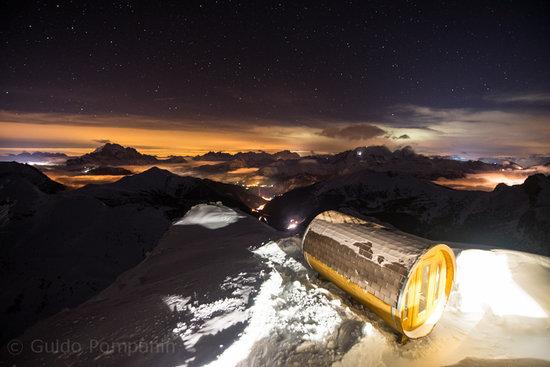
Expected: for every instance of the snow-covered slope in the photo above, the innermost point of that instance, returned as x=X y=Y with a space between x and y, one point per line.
x=241 y=295
x=195 y=285
x=60 y=248
x=12 y=173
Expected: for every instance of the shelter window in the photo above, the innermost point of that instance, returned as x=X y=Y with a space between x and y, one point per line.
x=424 y=288
x=437 y=282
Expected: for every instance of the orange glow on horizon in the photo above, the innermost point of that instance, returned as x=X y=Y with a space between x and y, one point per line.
x=487 y=181
x=158 y=142
x=79 y=134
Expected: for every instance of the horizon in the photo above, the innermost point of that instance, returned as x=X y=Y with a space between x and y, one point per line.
x=391 y=199
x=71 y=152
x=510 y=171
x=179 y=79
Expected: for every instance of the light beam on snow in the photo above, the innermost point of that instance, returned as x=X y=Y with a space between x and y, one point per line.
x=484 y=280
x=210 y=318
x=260 y=324
x=283 y=306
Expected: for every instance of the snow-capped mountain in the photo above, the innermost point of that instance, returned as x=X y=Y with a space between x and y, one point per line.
x=516 y=216
x=525 y=162
x=379 y=158
x=242 y=160
x=296 y=173
x=249 y=157
x=59 y=247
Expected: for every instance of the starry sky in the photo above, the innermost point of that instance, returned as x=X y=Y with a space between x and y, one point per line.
x=468 y=78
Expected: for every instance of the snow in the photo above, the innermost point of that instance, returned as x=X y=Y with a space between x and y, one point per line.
x=485 y=280
x=302 y=309
x=241 y=295
x=212 y=317
x=491 y=314
x=257 y=328
x=281 y=306
x=497 y=311
x=210 y=216
x=176 y=303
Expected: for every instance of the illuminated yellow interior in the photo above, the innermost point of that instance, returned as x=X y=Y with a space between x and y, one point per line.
x=421 y=301
x=425 y=290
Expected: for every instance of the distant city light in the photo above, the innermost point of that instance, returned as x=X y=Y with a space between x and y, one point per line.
x=293 y=224
x=31 y=163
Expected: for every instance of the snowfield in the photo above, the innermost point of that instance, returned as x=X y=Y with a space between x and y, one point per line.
x=209 y=216
x=224 y=289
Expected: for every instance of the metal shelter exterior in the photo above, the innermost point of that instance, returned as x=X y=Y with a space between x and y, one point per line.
x=403 y=278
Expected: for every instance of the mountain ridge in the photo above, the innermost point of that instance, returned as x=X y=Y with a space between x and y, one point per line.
x=59 y=247
x=509 y=216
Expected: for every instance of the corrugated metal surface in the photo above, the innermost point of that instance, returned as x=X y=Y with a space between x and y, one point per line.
x=375 y=257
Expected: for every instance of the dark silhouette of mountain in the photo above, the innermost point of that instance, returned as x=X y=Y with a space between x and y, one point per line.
x=37 y=157
x=112 y=154
x=106 y=170
x=405 y=160
x=241 y=160
x=252 y=159
x=221 y=167
x=525 y=162
x=60 y=247
x=39 y=154
x=174 y=159
x=510 y=216
x=286 y=155
x=24 y=174
x=214 y=156
x=291 y=174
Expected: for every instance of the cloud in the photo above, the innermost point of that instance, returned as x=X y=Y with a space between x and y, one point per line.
x=102 y=141
x=474 y=131
x=122 y=121
x=136 y=121
x=529 y=98
x=353 y=132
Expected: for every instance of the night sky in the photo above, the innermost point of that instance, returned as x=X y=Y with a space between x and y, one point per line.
x=466 y=78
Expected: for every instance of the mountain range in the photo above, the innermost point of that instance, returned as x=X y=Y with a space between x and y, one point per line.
x=259 y=158
x=36 y=157
x=509 y=216
x=291 y=174
x=60 y=247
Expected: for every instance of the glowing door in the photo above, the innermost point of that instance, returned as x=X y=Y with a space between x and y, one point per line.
x=426 y=287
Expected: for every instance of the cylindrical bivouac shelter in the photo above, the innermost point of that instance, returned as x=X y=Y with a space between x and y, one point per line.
x=404 y=279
